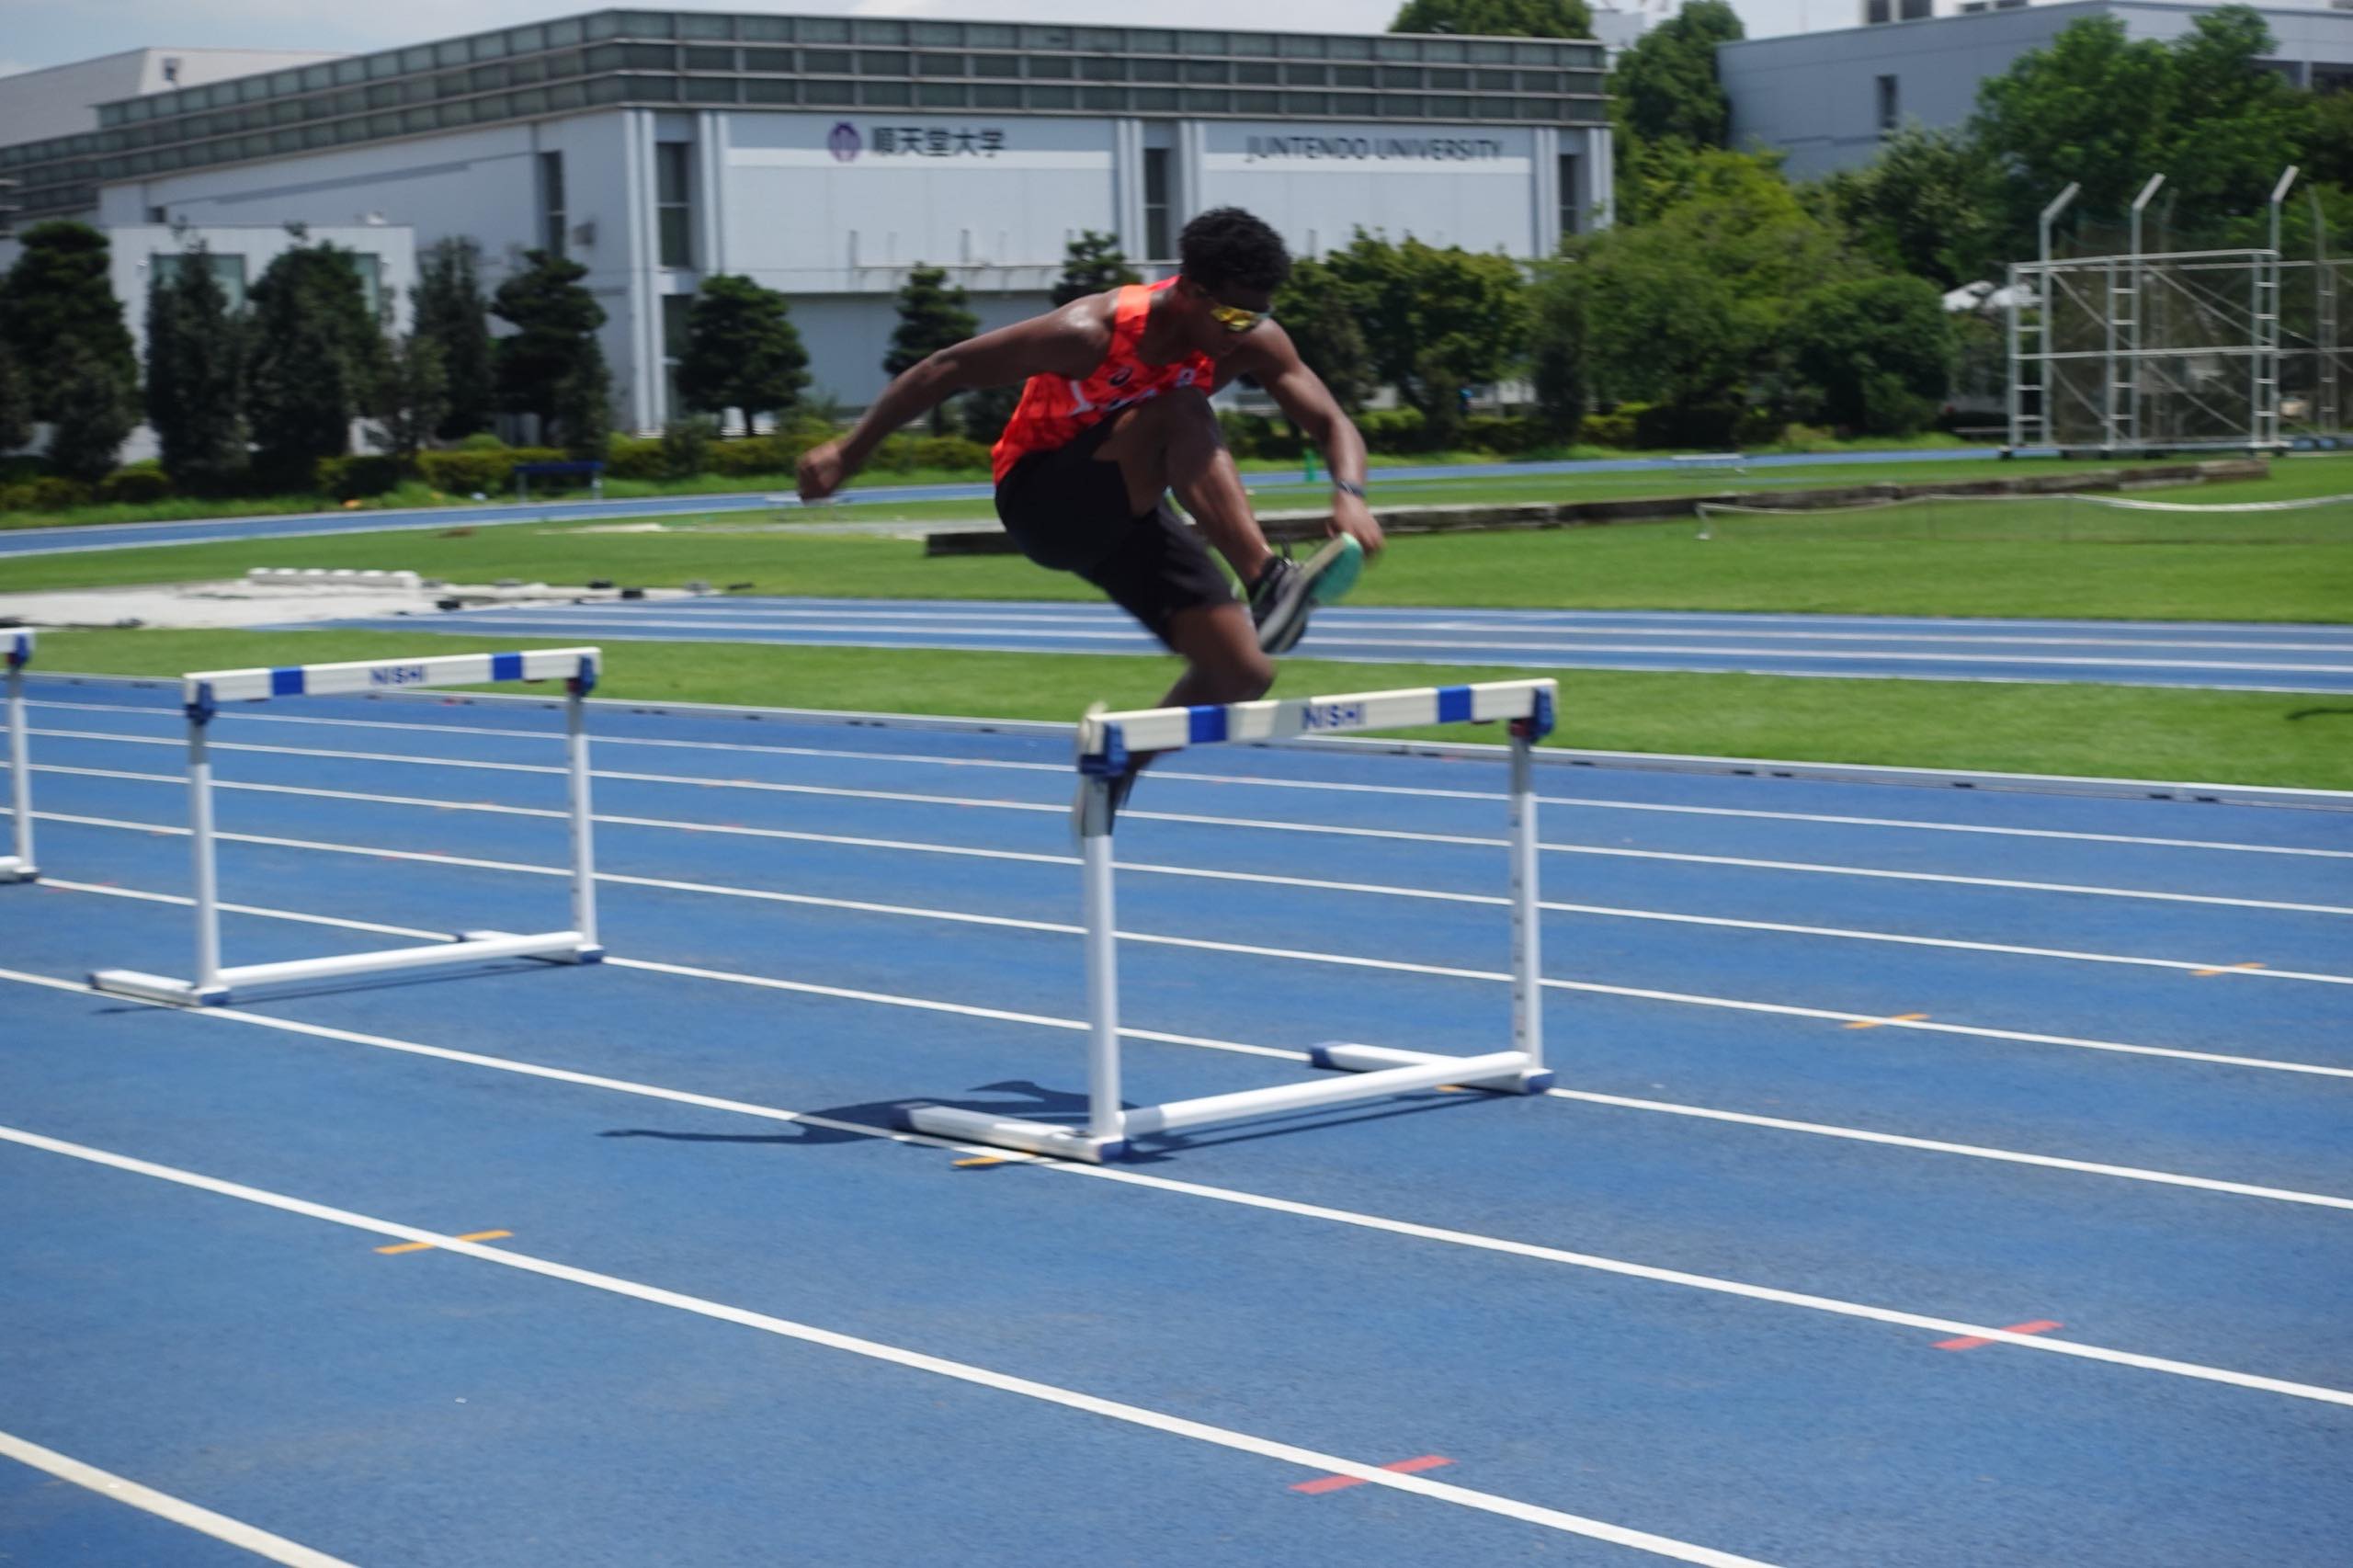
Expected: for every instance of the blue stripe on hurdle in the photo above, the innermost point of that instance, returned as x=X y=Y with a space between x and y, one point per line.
x=507 y=666
x=1453 y=704
x=1205 y=724
x=286 y=682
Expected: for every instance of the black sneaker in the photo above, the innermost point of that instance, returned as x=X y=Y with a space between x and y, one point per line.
x=1278 y=605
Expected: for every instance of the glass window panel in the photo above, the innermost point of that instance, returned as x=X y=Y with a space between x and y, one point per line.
x=1305 y=103
x=1349 y=48
x=1442 y=49
x=253 y=119
x=1540 y=81
x=997 y=65
x=490 y=46
x=252 y=88
x=1444 y=107
x=533 y=70
x=938 y=35
x=425 y=89
x=452 y=52
x=316 y=76
x=459 y=113
x=1206 y=71
x=1492 y=108
x=1255 y=70
x=569 y=95
x=533 y=102
x=285 y=112
x=876 y=29
x=759 y=92
x=652 y=89
x=942 y=95
x=1052 y=67
x=1533 y=53
x=1353 y=102
x=992 y=35
x=1098 y=38
x=498 y=106
x=1153 y=100
x=707 y=59
x=320 y=106
x=648 y=24
x=886 y=94
x=1151 y=41
x=482 y=79
x=1404 y=105
x=1104 y=68
x=383 y=125
x=670 y=160
x=1053 y=97
x=648 y=56
x=1257 y=103
x=1486 y=54
x=1536 y=109
x=993 y=95
x=1296 y=48
x=823 y=30
x=1153 y=70
x=527 y=40
x=709 y=90
x=834 y=60
x=940 y=64
x=607 y=89
x=604 y=57
x=604 y=25
x=285 y=140
x=416 y=120
x=765 y=29
x=566 y=33
x=1352 y=75
x=1045 y=37
x=1400 y=76
x=1306 y=75
x=1258 y=44
x=767 y=60
x=704 y=24
x=1492 y=81
x=1203 y=43
x=1103 y=97
x=885 y=63
x=137 y=109
x=313 y=136
x=1445 y=77
x=822 y=91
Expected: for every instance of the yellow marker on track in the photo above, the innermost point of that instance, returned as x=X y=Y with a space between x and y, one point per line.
x=428 y=1247
x=1899 y=1018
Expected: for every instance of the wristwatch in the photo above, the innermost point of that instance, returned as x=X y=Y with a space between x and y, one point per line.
x=1349 y=487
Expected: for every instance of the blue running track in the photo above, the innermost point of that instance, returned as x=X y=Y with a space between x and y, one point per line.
x=2236 y=657
x=1855 y=1079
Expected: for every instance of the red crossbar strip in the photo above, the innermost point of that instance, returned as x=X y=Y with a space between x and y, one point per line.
x=1402 y=1467
x=1971 y=1342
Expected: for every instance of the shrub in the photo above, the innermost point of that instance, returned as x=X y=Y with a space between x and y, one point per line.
x=366 y=473
x=488 y=472
x=136 y=484
x=953 y=452
x=1507 y=435
x=1615 y=428
x=1705 y=425
x=686 y=443
x=1393 y=430
x=753 y=454
x=51 y=492
x=633 y=457
x=17 y=497
x=481 y=441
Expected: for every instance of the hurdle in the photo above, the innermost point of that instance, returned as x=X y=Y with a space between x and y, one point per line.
x=1107 y=743
x=203 y=694
x=19 y=867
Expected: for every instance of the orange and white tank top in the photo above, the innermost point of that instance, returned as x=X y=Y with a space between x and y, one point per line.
x=1054 y=409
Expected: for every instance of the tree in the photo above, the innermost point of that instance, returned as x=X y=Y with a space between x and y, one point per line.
x=1665 y=84
x=2331 y=148
x=15 y=402
x=551 y=365
x=1871 y=354
x=933 y=315
x=57 y=302
x=2100 y=109
x=1315 y=308
x=1496 y=18
x=742 y=352
x=196 y=373
x=987 y=412
x=411 y=397
x=1930 y=204
x=317 y=352
x=93 y=409
x=1091 y=265
x=453 y=316
x=1437 y=320
x=1559 y=307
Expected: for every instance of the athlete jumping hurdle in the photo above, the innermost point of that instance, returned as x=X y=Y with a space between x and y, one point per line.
x=1114 y=415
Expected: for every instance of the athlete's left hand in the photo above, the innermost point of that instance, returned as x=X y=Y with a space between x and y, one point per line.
x=1351 y=515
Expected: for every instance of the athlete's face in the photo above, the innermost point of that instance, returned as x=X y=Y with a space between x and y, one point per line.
x=1219 y=319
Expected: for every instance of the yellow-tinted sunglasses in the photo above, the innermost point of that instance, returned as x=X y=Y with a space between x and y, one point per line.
x=1234 y=318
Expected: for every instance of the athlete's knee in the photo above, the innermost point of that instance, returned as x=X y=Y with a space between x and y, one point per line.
x=1244 y=675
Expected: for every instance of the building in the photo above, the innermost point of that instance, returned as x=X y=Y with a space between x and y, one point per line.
x=826 y=156
x=61 y=101
x=1828 y=100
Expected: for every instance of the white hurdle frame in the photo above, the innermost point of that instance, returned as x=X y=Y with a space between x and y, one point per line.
x=204 y=692
x=19 y=867
x=1106 y=744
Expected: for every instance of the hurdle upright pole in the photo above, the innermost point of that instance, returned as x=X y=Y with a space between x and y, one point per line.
x=20 y=766
x=200 y=822
x=584 y=855
x=1104 y=1117
x=1527 y=965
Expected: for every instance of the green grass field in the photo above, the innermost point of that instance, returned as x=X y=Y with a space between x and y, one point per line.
x=2114 y=731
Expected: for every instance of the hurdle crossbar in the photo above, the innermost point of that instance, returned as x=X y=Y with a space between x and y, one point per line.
x=204 y=692
x=17 y=645
x=1108 y=743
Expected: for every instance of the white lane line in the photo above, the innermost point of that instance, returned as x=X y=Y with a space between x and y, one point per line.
x=1061 y=928
x=1266 y=879
x=1306 y=1459
x=1040 y=1020
x=1621 y=1267
x=1181 y=774
x=1396 y=834
x=204 y=1521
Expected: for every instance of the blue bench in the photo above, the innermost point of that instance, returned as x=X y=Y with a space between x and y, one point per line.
x=526 y=472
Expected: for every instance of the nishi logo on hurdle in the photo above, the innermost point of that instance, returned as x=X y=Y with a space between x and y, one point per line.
x=16 y=646
x=203 y=694
x=1107 y=743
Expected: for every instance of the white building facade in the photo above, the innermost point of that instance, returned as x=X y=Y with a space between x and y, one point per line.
x=826 y=157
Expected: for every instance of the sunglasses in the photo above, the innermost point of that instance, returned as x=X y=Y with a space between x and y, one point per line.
x=1234 y=318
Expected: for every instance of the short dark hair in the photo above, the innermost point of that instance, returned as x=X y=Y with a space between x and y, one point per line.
x=1226 y=246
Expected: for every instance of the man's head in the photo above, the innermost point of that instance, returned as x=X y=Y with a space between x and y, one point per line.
x=1232 y=263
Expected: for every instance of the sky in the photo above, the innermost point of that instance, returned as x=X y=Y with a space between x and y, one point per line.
x=35 y=33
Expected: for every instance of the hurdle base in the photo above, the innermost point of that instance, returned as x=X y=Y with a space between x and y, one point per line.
x=14 y=870
x=562 y=945
x=1347 y=1058
x=1010 y=1132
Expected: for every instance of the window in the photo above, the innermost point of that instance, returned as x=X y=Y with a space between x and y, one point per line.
x=370 y=272
x=228 y=271
x=674 y=310
x=672 y=201
x=1890 y=113
x=1918 y=10
x=1876 y=12
x=552 y=203
x=1572 y=203
x=1155 y=205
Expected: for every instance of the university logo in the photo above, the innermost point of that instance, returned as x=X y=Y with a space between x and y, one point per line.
x=844 y=141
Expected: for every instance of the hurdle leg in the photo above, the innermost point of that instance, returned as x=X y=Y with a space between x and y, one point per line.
x=1105 y=1120
x=584 y=855
x=1527 y=933
x=20 y=769
x=208 y=883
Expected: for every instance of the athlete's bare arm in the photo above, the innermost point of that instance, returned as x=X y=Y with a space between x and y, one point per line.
x=1068 y=342
x=1269 y=354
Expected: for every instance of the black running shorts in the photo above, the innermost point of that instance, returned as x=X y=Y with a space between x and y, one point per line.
x=1068 y=511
